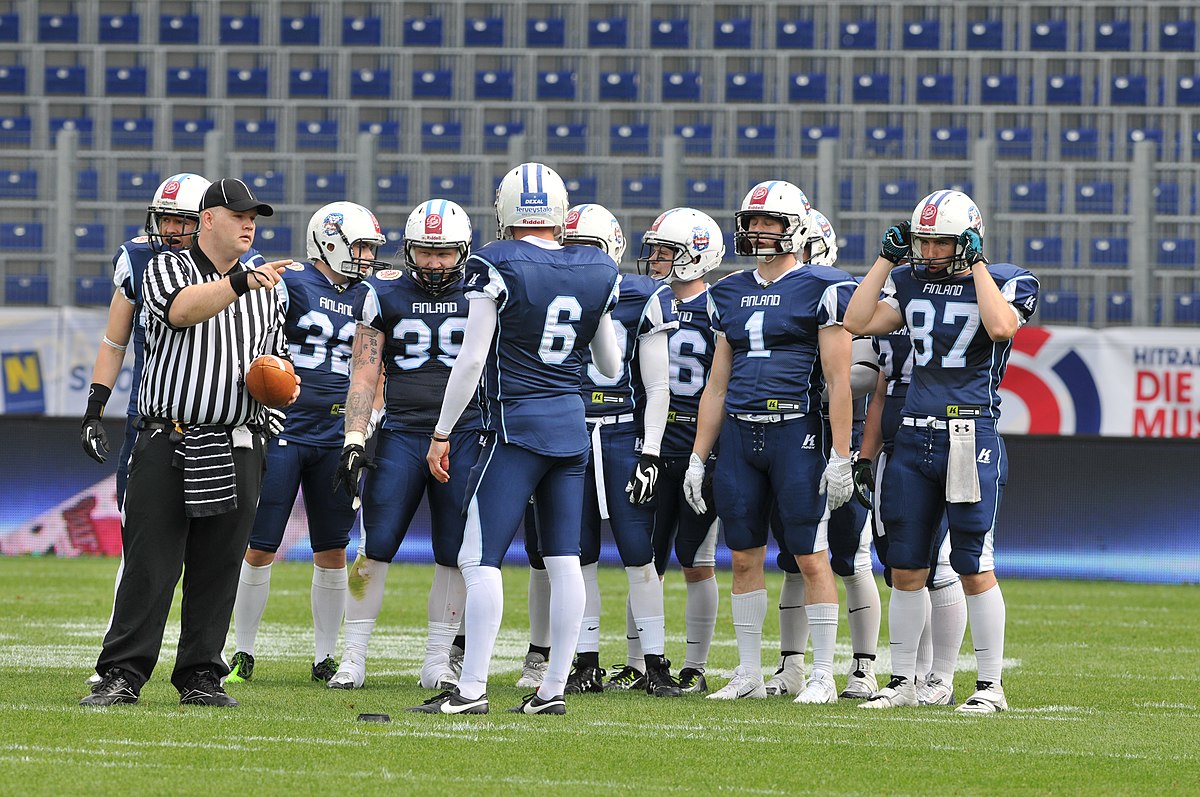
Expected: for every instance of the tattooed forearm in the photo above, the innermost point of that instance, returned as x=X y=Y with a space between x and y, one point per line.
x=368 y=346
x=366 y=366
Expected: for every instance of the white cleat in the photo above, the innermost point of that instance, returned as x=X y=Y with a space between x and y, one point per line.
x=789 y=678
x=935 y=692
x=743 y=684
x=861 y=684
x=988 y=699
x=438 y=674
x=533 y=671
x=351 y=675
x=818 y=690
x=898 y=692
x=93 y=679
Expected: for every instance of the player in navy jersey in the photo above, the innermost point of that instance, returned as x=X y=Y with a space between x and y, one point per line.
x=534 y=306
x=410 y=328
x=961 y=313
x=679 y=249
x=319 y=295
x=779 y=341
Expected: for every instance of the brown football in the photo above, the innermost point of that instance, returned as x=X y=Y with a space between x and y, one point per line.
x=271 y=380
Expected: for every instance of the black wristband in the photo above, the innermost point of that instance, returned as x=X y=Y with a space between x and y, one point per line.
x=98 y=396
x=240 y=282
x=437 y=439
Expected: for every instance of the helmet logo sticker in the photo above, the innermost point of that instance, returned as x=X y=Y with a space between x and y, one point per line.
x=658 y=221
x=433 y=224
x=974 y=220
x=171 y=190
x=760 y=195
x=572 y=219
x=929 y=214
x=332 y=224
x=700 y=239
x=375 y=221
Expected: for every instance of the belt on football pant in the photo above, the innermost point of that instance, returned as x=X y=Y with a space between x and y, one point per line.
x=768 y=417
x=924 y=423
x=598 y=455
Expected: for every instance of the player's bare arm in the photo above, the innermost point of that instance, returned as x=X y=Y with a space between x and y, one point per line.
x=999 y=318
x=872 y=439
x=834 y=344
x=117 y=334
x=712 y=400
x=866 y=314
x=366 y=367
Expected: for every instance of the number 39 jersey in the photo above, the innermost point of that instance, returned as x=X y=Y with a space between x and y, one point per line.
x=320 y=331
x=422 y=337
x=691 y=351
x=549 y=302
x=772 y=330
x=956 y=366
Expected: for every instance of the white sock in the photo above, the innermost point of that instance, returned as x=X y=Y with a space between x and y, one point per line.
x=749 y=611
x=447 y=596
x=646 y=604
x=864 y=610
x=633 y=643
x=925 y=645
x=793 y=619
x=949 y=625
x=822 y=626
x=485 y=607
x=254 y=585
x=566 y=612
x=988 y=614
x=906 y=618
x=364 y=600
x=701 y=621
x=589 y=631
x=539 y=608
x=328 y=607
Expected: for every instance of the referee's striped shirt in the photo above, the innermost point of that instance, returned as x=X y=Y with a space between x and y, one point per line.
x=196 y=375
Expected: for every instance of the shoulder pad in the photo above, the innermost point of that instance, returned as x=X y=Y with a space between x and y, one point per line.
x=388 y=274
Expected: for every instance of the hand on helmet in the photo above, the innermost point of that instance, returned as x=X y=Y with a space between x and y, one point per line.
x=897 y=244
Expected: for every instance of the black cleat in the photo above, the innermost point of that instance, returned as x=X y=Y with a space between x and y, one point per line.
x=241 y=668
x=659 y=682
x=532 y=704
x=584 y=678
x=323 y=671
x=204 y=689
x=627 y=678
x=451 y=702
x=113 y=689
x=692 y=681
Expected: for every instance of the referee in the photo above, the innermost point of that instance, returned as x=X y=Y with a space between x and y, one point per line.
x=197 y=465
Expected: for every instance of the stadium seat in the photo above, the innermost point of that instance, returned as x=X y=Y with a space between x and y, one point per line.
x=322 y=188
x=133 y=231
x=949 y=142
x=1014 y=142
x=582 y=189
x=935 y=89
x=26 y=288
x=985 y=34
x=872 y=88
x=496 y=135
x=386 y=132
x=317 y=134
x=483 y=32
x=371 y=83
x=811 y=136
x=456 y=188
x=16 y=131
x=494 y=84
x=1187 y=308
x=705 y=193
x=670 y=33
x=556 y=85
x=756 y=140
x=923 y=34
x=1130 y=90
x=1114 y=36
x=1177 y=252
x=96 y=289
x=744 y=87
x=188 y=81
x=18 y=184
x=1044 y=250
x=611 y=32
x=1178 y=36
x=1064 y=90
x=441 y=137
x=362 y=31
x=1080 y=142
x=13 y=79
x=847 y=195
x=136 y=186
x=254 y=133
x=858 y=35
x=547 y=32
x=1166 y=198
x=58 y=28
x=10 y=28
x=898 y=194
x=1059 y=306
x=1028 y=197
x=250 y=82
x=852 y=248
x=629 y=139
x=392 y=189
x=681 y=87
x=422 y=32
x=1109 y=252
x=1095 y=197
x=808 y=87
x=87 y=184
x=21 y=235
x=734 y=34
x=82 y=125
x=619 y=86
x=885 y=140
x=125 y=81
x=308 y=82
x=1050 y=34
x=432 y=84
x=567 y=139
x=243 y=29
x=1120 y=306
x=119 y=29
x=795 y=34
x=190 y=133
x=133 y=134
x=998 y=90
x=179 y=29
x=274 y=240
x=697 y=138
x=641 y=192
x=304 y=30
x=1187 y=90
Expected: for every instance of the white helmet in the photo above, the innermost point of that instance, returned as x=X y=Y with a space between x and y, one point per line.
x=822 y=240
x=531 y=195
x=942 y=214
x=595 y=226
x=335 y=229
x=693 y=237
x=179 y=195
x=780 y=200
x=437 y=224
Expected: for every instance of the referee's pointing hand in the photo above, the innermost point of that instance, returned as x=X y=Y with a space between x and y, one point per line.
x=267 y=276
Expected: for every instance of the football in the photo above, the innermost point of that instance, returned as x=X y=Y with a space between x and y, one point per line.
x=271 y=380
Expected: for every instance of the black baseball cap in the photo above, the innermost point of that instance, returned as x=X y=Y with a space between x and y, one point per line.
x=232 y=193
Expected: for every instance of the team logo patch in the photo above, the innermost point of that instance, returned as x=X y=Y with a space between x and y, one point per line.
x=617 y=236
x=759 y=195
x=929 y=214
x=295 y=267
x=700 y=239
x=974 y=220
x=332 y=225
x=826 y=230
x=171 y=190
x=387 y=274
x=141 y=239
x=433 y=224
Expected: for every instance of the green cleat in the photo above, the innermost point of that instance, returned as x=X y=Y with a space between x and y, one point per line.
x=324 y=670
x=241 y=668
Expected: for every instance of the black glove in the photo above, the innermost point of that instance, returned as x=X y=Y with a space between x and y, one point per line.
x=864 y=482
x=644 y=479
x=897 y=245
x=972 y=246
x=94 y=439
x=349 y=471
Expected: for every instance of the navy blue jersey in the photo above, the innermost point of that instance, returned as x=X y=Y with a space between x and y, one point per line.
x=129 y=268
x=320 y=334
x=422 y=336
x=645 y=308
x=895 y=360
x=772 y=330
x=549 y=302
x=691 y=347
x=957 y=367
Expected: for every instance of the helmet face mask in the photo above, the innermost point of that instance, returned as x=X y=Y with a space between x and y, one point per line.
x=694 y=240
x=437 y=225
x=942 y=216
x=178 y=197
x=337 y=234
x=594 y=225
x=531 y=195
x=779 y=200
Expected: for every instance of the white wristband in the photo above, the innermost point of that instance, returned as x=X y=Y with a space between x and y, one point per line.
x=355 y=439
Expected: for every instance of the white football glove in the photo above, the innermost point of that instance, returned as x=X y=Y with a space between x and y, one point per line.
x=275 y=420
x=373 y=423
x=693 y=485
x=837 y=482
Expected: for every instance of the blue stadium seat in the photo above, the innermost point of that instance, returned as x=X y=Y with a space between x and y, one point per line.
x=965 y=186
x=308 y=82
x=10 y=28
x=59 y=79
x=392 y=189
x=582 y=189
x=924 y=34
x=423 y=32
x=483 y=32
x=1080 y=142
x=1196 y=144
x=247 y=82
x=610 y=32
x=795 y=34
x=852 y=248
x=16 y=131
x=1187 y=308
x=998 y=90
x=1130 y=90
x=367 y=83
x=898 y=194
x=556 y=85
x=1177 y=252
x=744 y=87
x=20 y=236
x=566 y=138
x=364 y=31
x=187 y=81
x=1120 y=306
x=808 y=87
x=136 y=186
x=1059 y=306
x=317 y=134
x=1187 y=90
x=497 y=134
x=133 y=133
x=885 y=140
x=641 y=192
x=671 y=33
x=494 y=84
x=547 y=32
x=681 y=86
x=1029 y=197
x=125 y=81
x=82 y=125
x=1064 y=90
x=1113 y=36
x=455 y=187
x=58 y=28
x=1109 y=252
x=1044 y=250
x=254 y=133
x=322 y=188
x=386 y=132
x=705 y=193
x=1050 y=34
x=733 y=34
x=1136 y=135
x=619 y=86
x=13 y=79
x=18 y=184
x=1014 y=142
x=935 y=89
x=268 y=186
x=241 y=29
x=858 y=35
x=178 y=29
x=811 y=136
x=873 y=88
x=441 y=137
x=300 y=30
x=756 y=140
x=190 y=133
x=433 y=84
x=697 y=138
x=1095 y=197
x=949 y=142
x=119 y=29
x=1166 y=198
x=26 y=288
x=629 y=139
x=985 y=34
x=92 y=289
x=275 y=240
x=133 y=231
x=1178 y=36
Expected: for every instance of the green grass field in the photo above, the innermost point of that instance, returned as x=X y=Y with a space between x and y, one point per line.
x=1101 y=679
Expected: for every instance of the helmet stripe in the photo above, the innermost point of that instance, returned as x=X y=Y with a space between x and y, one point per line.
x=442 y=210
x=538 y=173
